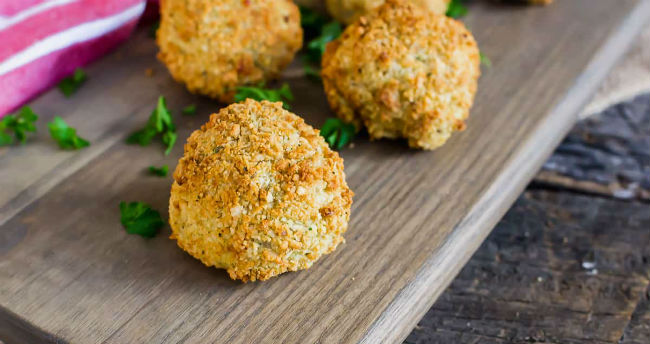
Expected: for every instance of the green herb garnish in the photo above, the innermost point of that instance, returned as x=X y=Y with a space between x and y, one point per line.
x=139 y=218
x=71 y=84
x=485 y=60
x=337 y=133
x=311 y=22
x=456 y=9
x=160 y=122
x=312 y=72
x=65 y=135
x=20 y=124
x=169 y=139
x=153 y=29
x=316 y=48
x=282 y=94
x=189 y=110
x=159 y=171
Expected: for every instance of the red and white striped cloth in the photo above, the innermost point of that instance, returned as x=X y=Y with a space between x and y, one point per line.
x=43 y=41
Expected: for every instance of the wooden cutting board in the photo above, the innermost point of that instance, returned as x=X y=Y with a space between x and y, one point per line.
x=69 y=272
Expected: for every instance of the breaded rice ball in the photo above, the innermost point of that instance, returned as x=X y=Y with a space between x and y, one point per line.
x=258 y=192
x=403 y=72
x=347 y=11
x=213 y=46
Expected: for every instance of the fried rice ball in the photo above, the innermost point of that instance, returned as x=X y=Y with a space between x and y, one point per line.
x=213 y=46
x=403 y=72
x=258 y=192
x=347 y=11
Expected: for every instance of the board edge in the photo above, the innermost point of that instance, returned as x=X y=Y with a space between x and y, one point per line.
x=511 y=181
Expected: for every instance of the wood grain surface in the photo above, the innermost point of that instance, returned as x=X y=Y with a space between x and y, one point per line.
x=568 y=264
x=69 y=269
x=528 y=282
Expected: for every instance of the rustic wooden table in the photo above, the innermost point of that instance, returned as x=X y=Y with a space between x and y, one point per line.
x=570 y=261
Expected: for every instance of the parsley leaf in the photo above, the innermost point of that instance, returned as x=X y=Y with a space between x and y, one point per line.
x=312 y=72
x=456 y=9
x=311 y=22
x=19 y=124
x=337 y=133
x=316 y=48
x=485 y=60
x=159 y=171
x=189 y=110
x=72 y=83
x=160 y=122
x=153 y=29
x=139 y=218
x=169 y=139
x=5 y=139
x=283 y=94
x=143 y=136
x=65 y=135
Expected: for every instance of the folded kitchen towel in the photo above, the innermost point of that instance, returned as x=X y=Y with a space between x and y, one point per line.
x=43 y=41
x=152 y=11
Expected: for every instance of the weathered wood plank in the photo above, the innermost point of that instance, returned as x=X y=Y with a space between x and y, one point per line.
x=116 y=98
x=638 y=330
x=607 y=154
x=528 y=281
x=417 y=217
x=510 y=273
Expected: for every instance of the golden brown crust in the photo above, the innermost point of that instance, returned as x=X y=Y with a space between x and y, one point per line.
x=403 y=72
x=213 y=46
x=258 y=192
x=347 y=11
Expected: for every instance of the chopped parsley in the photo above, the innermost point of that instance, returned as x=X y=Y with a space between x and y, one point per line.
x=311 y=22
x=316 y=48
x=159 y=171
x=153 y=29
x=189 y=110
x=71 y=84
x=485 y=60
x=337 y=133
x=160 y=122
x=330 y=32
x=456 y=9
x=65 y=135
x=139 y=218
x=282 y=94
x=19 y=124
x=169 y=139
x=311 y=71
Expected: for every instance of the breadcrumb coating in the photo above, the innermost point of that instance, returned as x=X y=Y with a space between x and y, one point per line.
x=258 y=192
x=213 y=46
x=347 y=11
x=403 y=72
